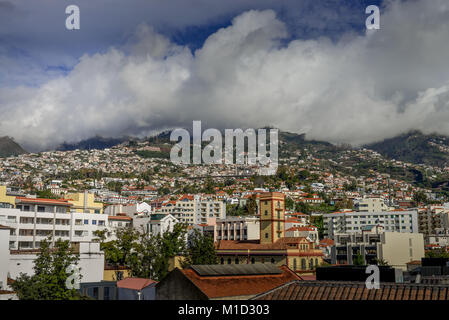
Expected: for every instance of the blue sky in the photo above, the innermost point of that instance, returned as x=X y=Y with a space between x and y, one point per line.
x=33 y=35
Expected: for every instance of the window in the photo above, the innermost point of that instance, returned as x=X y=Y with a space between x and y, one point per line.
x=266 y=212
x=97 y=211
x=222 y=260
x=294 y=264
x=40 y=209
x=94 y=222
x=229 y=261
x=106 y=293
x=266 y=235
x=253 y=261
x=236 y=260
x=272 y=260
x=86 y=221
x=303 y=264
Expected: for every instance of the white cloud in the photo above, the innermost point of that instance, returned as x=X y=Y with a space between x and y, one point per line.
x=357 y=90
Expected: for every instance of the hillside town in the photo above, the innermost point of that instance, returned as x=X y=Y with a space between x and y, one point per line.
x=316 y=213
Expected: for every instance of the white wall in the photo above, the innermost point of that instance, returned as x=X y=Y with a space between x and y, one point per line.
x=399 y=248
x=4 y=257
x=91 y=263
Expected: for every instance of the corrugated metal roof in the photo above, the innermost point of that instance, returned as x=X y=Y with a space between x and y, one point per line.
x=236 y=269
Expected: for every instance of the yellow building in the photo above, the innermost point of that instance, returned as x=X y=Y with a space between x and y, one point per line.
x=6 y=201
x=84 y=202
x=298 y=253
x=113 y=273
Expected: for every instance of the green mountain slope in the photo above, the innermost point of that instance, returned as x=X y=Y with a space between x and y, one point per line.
x=8 y=147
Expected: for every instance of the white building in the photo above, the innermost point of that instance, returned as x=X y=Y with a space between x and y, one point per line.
x=353 y=222
x=194 y=209
x=141 y=208
x=237 y=228
x=35 y=222
x=161 y=223
x=370 y=205
x=91 y=262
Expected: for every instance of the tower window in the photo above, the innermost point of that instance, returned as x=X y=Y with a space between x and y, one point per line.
x=266 y=235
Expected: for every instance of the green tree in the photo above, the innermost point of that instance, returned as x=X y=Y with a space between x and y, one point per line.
x=200 y=250
x=289 y=203
x=358 y=261
x=153 y=253
x=50 y=274
x=420 y=197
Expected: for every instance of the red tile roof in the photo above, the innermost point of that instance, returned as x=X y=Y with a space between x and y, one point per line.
x=43 y=201
x=119 y=218
x=239 y=285
x=343 y=290
x=135 y=283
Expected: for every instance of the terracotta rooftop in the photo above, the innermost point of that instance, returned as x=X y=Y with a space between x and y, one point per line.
x=43 y=201
x=342 y=290
x=119 y=218
x=135 y=283
x=239 y=284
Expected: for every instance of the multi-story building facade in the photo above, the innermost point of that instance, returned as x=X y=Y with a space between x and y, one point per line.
x=35 y=219
x=373 y=245
x=237 y=228
x=353 y=222
x=84 y=203
x=194 y=209
x=433 y=219
x=370 y=205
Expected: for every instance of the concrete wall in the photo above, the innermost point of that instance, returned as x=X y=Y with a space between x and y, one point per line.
x=177 y=287
x=399 y=248
x=4 y=257
x=91 y=263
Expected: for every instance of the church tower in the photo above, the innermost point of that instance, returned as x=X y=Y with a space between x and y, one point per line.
x=272 y=217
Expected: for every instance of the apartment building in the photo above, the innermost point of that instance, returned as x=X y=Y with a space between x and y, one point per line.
x=432 y=219
x=36 y=219
x=353 y=222
x=6 y=201
x=395 y=248
x=237 y=228
x=194 y=209
x=370 y=205
x=84 y=203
